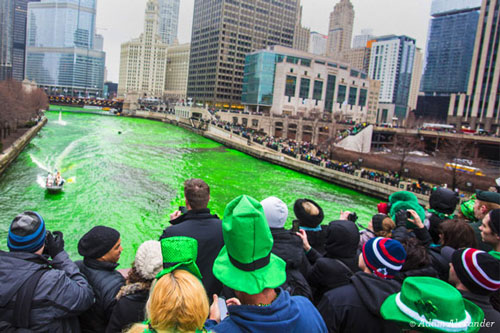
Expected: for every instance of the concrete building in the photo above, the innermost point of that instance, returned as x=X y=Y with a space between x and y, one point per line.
x=143 y=61
x=168 y=20
x=284 y=81
x=61 y=54
x=360 y=41
x=317 y=43
x=358 y=58
x=391 y=63
x=301 y=34
x=479 y=106
x=223 y=33
x=177 y=71
x=415 y=79
x=340 y=29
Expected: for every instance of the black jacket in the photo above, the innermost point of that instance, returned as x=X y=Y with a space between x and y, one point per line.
x=207 y=230
x=355 y=307
x=128 y=309
x=491 y=315
x=439 y=263
x=335 y=268
x=317 y=239
x=61 y=293
x=106 y=282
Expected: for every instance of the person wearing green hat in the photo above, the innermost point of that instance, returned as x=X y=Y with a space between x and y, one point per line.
x=485 y=202
x=247 y=265
x=427 y=304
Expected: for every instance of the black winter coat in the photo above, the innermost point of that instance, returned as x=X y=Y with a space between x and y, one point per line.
x=207 y=230
x=355 y=307
x=491 y=315
x=61 y=293
x=317 y=239
x=129 y=309
x=106 y=282
x=335 y=268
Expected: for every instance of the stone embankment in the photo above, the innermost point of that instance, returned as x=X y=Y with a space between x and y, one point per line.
x=355 y=182
x=10 y=154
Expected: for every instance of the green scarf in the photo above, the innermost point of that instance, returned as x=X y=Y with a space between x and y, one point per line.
x=442 y=216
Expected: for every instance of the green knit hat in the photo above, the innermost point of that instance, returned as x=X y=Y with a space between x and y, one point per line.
x=405 y=205
x=467 y=208
x=246 y=263
x=428 y=304
x=402 y=196
x=179 y=253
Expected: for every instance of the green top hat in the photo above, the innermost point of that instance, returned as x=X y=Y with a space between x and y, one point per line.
x=179 y=253
x=246 y=263
x=430 y=305
x=402 y=196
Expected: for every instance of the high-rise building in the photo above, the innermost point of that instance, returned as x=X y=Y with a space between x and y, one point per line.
x=416 y=77
x=13 y=38
x=60 y=52
x=450 y=46
x=340 y=29
x=177 y=71
x=358 y=58
x=360 y=41
x=143 y=61
x=223 y=33
x=391 y=63
x=479 y=106
x=301 y=35
x=169 y=20
x=317 y=43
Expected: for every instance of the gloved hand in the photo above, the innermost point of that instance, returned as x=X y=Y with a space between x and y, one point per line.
x=54 y=243
x=401 y=218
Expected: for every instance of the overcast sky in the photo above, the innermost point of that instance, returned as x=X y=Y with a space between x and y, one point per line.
x=121 y=20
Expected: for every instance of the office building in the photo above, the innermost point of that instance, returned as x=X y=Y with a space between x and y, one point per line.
x=168 y=20
x=60 y=51
x=358 y=58
x=285 y=81
x=391 y=63
x=479 y=106
x=223 y=33
x=143 y=61
x=317 y=43
x=177 y=71
x=301 y=35
x=360 y=41
x=340 y=29
x=110 y=90
x=13 y=15
x=416 y=78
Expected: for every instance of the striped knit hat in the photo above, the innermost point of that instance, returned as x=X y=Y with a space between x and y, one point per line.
x=384 y=256
x=26 y=232
x=477 y=270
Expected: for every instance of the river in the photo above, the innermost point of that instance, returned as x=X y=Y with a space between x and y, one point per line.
x=128 y=174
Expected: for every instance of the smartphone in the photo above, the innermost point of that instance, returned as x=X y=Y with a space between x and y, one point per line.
x=222 y=308
x=183 y=209
x=295 y=225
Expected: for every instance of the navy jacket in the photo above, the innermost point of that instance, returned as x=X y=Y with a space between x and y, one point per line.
x=61 y=294
x=287 y=314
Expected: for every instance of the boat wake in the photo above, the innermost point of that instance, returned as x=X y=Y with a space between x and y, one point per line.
x=60 y=121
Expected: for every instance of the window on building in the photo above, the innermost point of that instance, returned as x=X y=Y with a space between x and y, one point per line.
x=291 y=82
x=330 y=93
x=353 y=93
x=318 y=90
x=304 y=88
x=362 y=97
x=341 y=94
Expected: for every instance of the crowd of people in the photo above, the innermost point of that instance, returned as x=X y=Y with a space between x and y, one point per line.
x=408 y=268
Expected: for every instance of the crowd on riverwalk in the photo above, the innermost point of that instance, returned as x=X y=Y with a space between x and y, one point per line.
x=311 y=153
x=407 y=269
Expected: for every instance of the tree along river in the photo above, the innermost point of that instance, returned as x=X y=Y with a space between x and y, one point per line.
x=132 y=181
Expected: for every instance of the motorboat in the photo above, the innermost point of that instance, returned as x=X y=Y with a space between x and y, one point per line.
x=54 y=182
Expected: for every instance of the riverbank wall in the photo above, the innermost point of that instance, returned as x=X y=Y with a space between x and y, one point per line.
x=10 y=154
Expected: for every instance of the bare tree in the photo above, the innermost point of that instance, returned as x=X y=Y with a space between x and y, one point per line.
x=457 y=152
x=403 y=144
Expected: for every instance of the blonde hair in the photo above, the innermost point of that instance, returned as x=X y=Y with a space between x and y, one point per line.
x=310 y=208
x=387 y=226
x=177 y=302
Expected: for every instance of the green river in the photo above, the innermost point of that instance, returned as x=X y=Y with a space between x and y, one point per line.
x=132 y=181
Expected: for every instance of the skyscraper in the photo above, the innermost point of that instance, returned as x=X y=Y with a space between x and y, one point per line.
x=340 y=29
x=479 y=107
x=13 y=38
x=391 y=62
x=223 y=33
x=360 y=41
x=317 y=43
x=177 y=71
x=450 y=46
x=143 y=61
x=169 y=20
x=60 y=52
x=301 y=34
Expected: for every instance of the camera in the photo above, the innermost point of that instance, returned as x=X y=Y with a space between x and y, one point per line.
x=183 y=209
x=295 y=225
x=353 y=217
x=408 y=215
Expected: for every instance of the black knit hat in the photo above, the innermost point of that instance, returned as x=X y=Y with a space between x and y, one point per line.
x=377 y=220
x=495 y=221
x=477 y=270
x=97 y=242
x=306 y=220
x=443 y=200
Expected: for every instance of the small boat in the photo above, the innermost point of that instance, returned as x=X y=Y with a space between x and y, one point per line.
x=54 y=183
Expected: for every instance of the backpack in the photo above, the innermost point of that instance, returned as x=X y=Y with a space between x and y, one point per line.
x=297 y=285
x=22 y=306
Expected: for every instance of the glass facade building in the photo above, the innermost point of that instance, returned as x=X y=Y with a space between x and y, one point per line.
x=61 y=55
x=169 y=20
x=258 y=80
x=450 y=46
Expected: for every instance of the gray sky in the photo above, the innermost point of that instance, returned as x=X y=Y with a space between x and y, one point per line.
x=119 y=21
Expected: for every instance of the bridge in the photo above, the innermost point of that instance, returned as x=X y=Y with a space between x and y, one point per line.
x=80 y=101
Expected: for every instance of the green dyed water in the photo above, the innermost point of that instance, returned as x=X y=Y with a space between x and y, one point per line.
x=132 y=181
